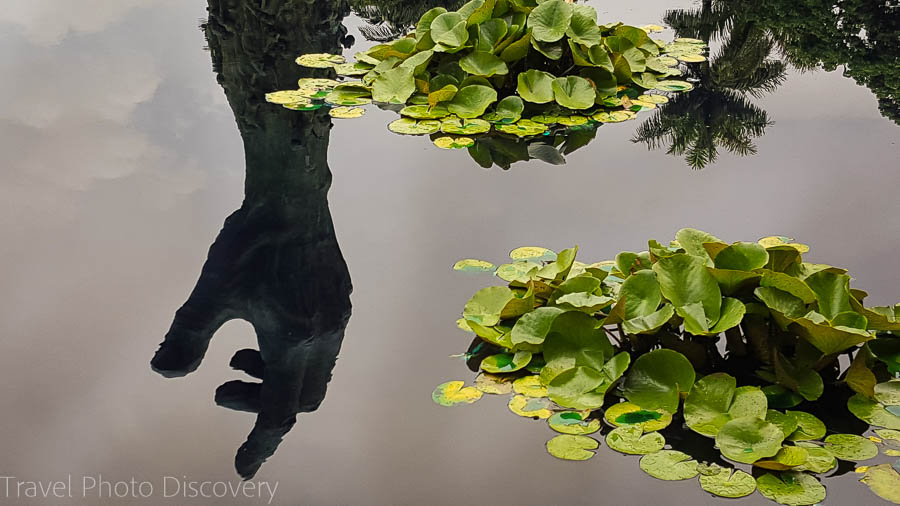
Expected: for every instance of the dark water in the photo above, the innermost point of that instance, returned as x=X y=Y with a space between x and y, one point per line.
x=123 y=160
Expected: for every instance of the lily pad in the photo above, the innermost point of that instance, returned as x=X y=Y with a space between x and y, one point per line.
x=791 y=488
x=473 y=265
x=850 y=447
x=425 y=112
x=788 y=457
x=808 y=426
x=454 y=142
x=531 y=407
x=888 y=393
x=550 y=20
x=320 y=60
x=458 y=126
x=728 y=482
x=884 y=481
x=346 y=112
x=674 y=85
x=494 y=384
x=626 y=413
x=523 y=128
x=749 y=439
x=657 y=379
x=471 y=101
x=408 y=126
x=630 y=439
x=452 y=393
x=573 y=422
x=573 y=92
x=449 y=29
x=572 y=447
x=819 y=460
x=669 y=465
x=483 y=63
x=872 y=412
x=530 y=386
x=535 y=253
x=715 y=400
x=506 y=362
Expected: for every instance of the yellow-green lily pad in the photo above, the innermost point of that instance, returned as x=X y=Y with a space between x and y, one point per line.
x=408 y=126
x=530 y=386
x=574 y=422
x=627 y=413
x=531 y=407
x=630 y=439
x=473 y=265
x=320 y=60
x=792 y=488
x=669 y=465
x=850 y=447
x=459 y=126
x=346 y=112
x=494 y=384
x=454 y=142
x=691 y=57
x=572 y=447
x=535 y=253
x=674 y=85
x=728 y=482
x=452 y=393
x=287 y=97
x=884 y=481
x=819 y=460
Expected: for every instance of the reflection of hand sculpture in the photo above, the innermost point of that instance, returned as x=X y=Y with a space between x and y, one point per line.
x=276 y=263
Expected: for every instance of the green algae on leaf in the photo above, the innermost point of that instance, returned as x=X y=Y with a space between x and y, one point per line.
x=669 y=465
x=630 y=439
x=727 y=482
x=572 y=447
x=791 y=488
x=850 y=447
x=573 y=422
x=452 y=393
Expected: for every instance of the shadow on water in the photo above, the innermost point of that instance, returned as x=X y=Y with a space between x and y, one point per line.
x=276 y=262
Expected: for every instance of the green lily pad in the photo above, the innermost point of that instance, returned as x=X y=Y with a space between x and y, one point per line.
x=889 y=434
x=506 y=362
x=352 y=69
x=573 y=422
x=613 y=116
x=523 y=128
x=535 y=86
x=454 y=142
x=320 y=60
x=394 y=86
x=657 y=379
x=574 y=120
x=471 y=101
x=884 y=481
x=529 y=386
x=533 y=327
x=669 y=465
x=531 y=407
x=425 y=112
x=630 y=439
x=573 y=92
x=715 y=400
x=791 y=488
x=449 y=29
x=452 y=393
x=573 y=335
x=535 y=253
x=575 y=388
x=780 y=397
x=888 y=393
x=655 y=99
x=788 y=457
x=786 y=422
x=510 y=109
x=850 y=447
x=872 y=412
x=572 y=447
x=690 y=57
x=674 y=85
x=749 y=439
x=483 y=63
x=494 y=384
x=459 y=126
x=819 y=460
x=407 y=126
x=287 y=97
x=627 y=413
x=550 y=20
x=808 y=426
x=728 y=482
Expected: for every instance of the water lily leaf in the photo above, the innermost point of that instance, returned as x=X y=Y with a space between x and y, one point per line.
x=409 y=126
x=749 y=439
x=483 y=63
x=583 y=27
x=531 y=407
x=872 y=412
x=657 y=379
x=669 y=465
x=630 y=439
x=550 y=20
x=472 y=101
x=536 y=253
x=454 y=142
x=850 y=447
x=352 y=69
x=684 y=280
x=650 y=323
x=792 y=488
x=654 y=99
x=780 y=397
x=808 y=426
x=530 y=386
x=533 y=327
x=535 y=86
x=787 y=423
x=473 y=265
x=788 y=457
x=690 y=57
x=510 y=109
x=574 y=120
x=887 y=350
x=832 y=292
x=345 y=99
x=884 y=481
x=674 y=85
x=425 y=112
x=444 y=94
x=802 y=380
x=573 y=422
x=492 y=303
x=715 y=400
x=449 y=29
x=572 y=447
x=518 y=49
x=819 y=460
x=575 y=387
x=889 y=434
x=573 y=92
x=458 y=126
x=394 y=86
x=494 y=384
x=490 y=33
x=302 y=106
x=627 y=413
x=728 y=482
x=320 y=60
x=346 y=112
x=573 y=335
x=742 y=256
x=506 y=362
x=613 y=117
x=288 y=97
x=888 y=393
x=452 y=393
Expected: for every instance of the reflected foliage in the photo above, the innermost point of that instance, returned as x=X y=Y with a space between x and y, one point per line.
x=390 y=19
x=276 y=262
x=737 y=343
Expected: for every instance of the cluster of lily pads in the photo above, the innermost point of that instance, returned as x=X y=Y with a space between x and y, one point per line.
x=516 y=68
x=629 y=346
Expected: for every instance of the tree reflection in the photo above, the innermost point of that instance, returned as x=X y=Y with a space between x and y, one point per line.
x=391 y=19
x=276 y=262
x=717 y=113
